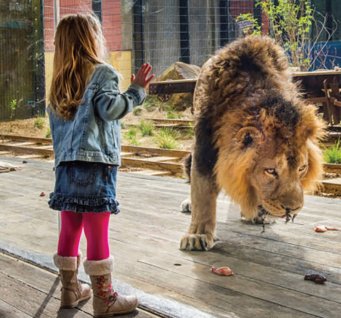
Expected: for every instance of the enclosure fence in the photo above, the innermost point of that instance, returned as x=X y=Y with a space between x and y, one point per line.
x=161 y=32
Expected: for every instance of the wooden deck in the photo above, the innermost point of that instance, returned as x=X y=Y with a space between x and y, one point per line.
x=144 y=239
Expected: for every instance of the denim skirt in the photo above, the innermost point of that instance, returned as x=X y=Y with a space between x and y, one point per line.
x=82 y=186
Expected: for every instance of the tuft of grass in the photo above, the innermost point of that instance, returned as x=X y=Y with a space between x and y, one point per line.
x=151 y=103
x=333 y=154
x=137 y=111
x=48 y=133
x=166 y=139
x=131 y=136
x=187 y=133
x=39 y=123
x=171 y=115
x=147 y=128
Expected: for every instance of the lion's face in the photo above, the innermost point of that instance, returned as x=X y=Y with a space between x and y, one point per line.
x=276 y=181
x=268 y=166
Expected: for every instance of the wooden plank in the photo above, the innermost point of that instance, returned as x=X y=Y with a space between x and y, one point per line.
x=172 y=87
x=186 y=122
x=194 y=284
x=155 y=151
x=36 y=140
x=16 y=294
x=332 y=168
x=8 y=311
x=175 y=168
x=23 y=274
x=187 y=86
x=162 y=159
x=20 y=144
x=316 y=73
x=302 y=302
x=144 y=239
x=332 y=186
x=172 y=126
x=27 y=150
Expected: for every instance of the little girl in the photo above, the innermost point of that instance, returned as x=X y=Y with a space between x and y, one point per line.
x=84 y=111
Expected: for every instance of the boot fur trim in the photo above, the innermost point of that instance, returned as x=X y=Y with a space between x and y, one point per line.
x=101 y=267
x=65 y=263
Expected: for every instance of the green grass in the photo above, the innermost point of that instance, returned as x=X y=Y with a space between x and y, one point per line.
x=131 y=136
x=137 y=111
x=166 y=139
x=152 y=103
x=146 y=127
x=39 y=123
x=48 y=133
x=333 y=154
x=187 y=133
x=172 y=115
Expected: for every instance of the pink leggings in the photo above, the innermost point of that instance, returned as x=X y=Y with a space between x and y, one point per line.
x=96 y=229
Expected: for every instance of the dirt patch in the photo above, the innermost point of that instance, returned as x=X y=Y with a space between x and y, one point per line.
x=33 y=127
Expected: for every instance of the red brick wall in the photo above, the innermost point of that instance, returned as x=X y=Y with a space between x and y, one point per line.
x=111 y=20
x=48 y=25
x=74 y=6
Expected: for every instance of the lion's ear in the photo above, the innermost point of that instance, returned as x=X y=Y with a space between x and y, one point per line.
x=248 y=137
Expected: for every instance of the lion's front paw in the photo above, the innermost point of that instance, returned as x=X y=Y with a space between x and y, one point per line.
x=186 y=206
x=197 y=242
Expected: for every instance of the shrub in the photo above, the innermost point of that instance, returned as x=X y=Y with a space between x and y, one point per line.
x=39 y=123
x=146 y=128
x=291 y=23
x=166 y=139
x=131 y=136
x=333 y=154
x=48 y=133
x=137 y=111
x=13 y=107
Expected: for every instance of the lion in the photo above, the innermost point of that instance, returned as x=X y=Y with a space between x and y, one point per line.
x=255 y=138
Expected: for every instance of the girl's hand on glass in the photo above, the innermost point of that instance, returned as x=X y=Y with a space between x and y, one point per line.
x=143 y=76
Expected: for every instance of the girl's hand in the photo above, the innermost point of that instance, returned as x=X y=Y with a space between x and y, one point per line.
x=143 y=76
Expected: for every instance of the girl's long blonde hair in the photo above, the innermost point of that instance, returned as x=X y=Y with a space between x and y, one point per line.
x=79 y=46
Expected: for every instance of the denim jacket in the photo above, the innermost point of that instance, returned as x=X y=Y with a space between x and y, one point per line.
x=94 y=132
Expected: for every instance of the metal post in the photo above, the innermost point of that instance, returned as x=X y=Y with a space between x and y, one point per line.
x=56 y=13
x=224 y=21
x=138 y=33
x=97 y=8
x=184 y=32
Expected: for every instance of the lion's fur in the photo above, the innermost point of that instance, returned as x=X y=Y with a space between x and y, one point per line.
x=247 y=110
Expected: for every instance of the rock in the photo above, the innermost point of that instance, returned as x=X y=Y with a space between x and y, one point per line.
x=178 y=71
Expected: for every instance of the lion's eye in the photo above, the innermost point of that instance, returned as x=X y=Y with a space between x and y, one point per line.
x=302 y=168
x=271 y=171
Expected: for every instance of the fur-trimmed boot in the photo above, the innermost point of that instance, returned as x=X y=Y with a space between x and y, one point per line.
x=106 y=302
x=72 y=292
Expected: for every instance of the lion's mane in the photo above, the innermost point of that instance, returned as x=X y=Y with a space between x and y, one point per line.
x=248 y=108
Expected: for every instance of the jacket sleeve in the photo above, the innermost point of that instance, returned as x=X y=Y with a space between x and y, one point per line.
x=110 y=103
